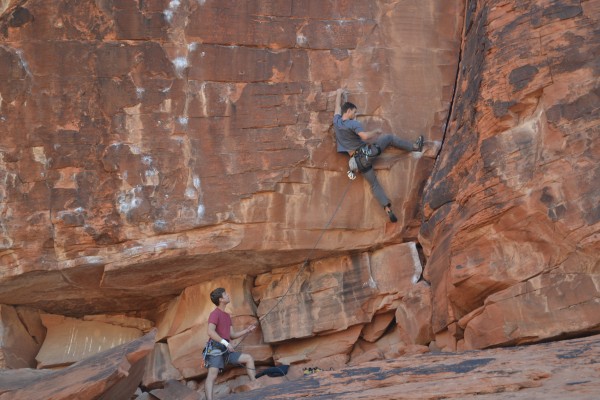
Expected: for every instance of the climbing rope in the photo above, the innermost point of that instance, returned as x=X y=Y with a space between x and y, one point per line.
x=306 y=261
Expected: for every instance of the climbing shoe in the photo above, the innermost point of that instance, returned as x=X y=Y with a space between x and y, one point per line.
x=418 y=145
x=391 y=214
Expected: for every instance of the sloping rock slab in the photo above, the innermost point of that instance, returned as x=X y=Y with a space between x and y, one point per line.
x=112 y=374
x=557 y=370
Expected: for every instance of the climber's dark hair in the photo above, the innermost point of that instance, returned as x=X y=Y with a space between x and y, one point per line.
x=347 y=106
x=216 y=294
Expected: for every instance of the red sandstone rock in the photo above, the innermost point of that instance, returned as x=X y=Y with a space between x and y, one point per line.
x=111 y=374
x=511 y=210
x=333 y=294
x=143 y=152
x=374 y=330
x=159 y=368
x=413 y=315
x=17 y=347
x=149 y=148
x=175 y=390
x=559 y=370
x=70 y=340
x=318 y=347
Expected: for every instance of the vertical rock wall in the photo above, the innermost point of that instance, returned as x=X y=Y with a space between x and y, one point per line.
x=512 y=207
x=151 y=145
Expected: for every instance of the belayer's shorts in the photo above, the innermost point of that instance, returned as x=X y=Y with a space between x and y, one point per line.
x=222 y=359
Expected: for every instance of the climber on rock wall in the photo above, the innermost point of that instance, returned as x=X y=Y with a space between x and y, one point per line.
x=219 y=352
x=363 y=146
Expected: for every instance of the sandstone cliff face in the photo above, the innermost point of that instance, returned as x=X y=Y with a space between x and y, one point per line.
x=512 y=207
x=149 y=146
x=153 y=150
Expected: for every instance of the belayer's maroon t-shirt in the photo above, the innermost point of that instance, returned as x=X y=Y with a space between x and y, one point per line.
x=222 y=321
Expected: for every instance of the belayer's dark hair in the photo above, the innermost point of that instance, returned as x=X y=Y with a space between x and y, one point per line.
x=347 y=106
x=216 y=294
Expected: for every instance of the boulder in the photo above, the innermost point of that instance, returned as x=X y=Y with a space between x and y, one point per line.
x=334 y=294
x=389 y=346
x=377 y=327
x=413 y=315
x=316 y=348
x=17 y=347
x=159 y=368
x=70 y=340
x=563 y=304
x=111 y=374
x=175 y=390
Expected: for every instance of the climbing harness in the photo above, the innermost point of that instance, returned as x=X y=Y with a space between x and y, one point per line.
x=361 y=160
x=213 y=348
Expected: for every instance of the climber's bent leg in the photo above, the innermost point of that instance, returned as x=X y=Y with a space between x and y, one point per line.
x=385 y=140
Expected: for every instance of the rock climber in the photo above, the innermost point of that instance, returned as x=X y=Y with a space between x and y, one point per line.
x=219 y=351
x=363 y=146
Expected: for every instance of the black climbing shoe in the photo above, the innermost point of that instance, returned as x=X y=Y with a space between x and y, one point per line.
x=390 y=214
x=418 y=146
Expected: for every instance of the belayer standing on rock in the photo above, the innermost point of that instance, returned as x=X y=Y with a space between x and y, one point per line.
x=219 y=351
x=363 y=146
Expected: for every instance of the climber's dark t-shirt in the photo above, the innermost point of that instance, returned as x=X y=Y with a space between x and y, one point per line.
x=346 y=133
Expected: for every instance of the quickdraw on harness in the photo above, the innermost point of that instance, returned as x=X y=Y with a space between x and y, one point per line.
x=213 y=348
x=361 y=160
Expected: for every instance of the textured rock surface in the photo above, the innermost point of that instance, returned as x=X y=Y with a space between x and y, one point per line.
x=17 y=346
x=149 y=146
x=152 y=150
x=559 y=370
x=512 y=208
x=159 y=368
x=114 y=374
x=331 y=295
x=69 y=340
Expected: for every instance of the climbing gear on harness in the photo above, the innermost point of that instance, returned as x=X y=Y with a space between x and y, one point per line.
x=353 y=168
x=213 y=348
x=418 y=146
x=362 y=157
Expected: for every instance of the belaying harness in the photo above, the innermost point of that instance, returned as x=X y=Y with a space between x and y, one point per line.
x=213 y=348
x=361 y=160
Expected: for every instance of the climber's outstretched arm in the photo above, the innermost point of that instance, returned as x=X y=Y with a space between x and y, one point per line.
x=338 y=102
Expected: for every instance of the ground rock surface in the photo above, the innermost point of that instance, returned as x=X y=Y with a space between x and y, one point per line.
x=559 y=370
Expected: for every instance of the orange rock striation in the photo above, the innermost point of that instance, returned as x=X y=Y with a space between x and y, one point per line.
x=151 y=151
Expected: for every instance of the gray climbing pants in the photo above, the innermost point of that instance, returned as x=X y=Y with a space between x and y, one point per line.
x=384 y=141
